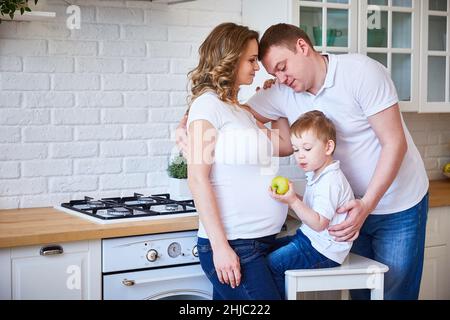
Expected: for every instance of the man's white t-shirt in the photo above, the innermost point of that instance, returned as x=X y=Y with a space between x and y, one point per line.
x=242 y=170
x=325 y=194
x=355 y=88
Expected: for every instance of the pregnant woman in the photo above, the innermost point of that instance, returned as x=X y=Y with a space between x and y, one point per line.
x=229 y=169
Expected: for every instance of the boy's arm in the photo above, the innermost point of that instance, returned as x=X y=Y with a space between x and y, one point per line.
x=311 y=218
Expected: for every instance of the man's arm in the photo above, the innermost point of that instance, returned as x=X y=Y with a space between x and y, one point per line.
x=258 y=116
x=281 y=127
x=388 y=128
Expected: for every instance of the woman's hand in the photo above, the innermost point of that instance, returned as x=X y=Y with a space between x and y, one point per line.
x=288 y=198
x=267 y=84
x=227 y=266
x=348 y=230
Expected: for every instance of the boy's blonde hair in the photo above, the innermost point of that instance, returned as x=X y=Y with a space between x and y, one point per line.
x=316 y=122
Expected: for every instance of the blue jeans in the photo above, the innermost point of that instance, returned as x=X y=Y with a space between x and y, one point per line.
x=398 y=241
x=256 y=281
x=297 y=253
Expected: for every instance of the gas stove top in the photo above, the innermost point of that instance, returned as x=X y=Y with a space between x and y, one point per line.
x=136 y=207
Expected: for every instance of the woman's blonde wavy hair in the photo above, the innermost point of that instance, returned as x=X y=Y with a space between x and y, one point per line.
x=219 y=58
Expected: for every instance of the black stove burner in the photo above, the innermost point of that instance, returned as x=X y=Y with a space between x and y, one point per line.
x=119 y=212
x=130 y=207
x=172 y=206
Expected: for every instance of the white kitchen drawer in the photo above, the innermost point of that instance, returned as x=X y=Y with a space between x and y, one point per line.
x=32 y=251
x=74 y=273
x=437 y=226
x=435 y=283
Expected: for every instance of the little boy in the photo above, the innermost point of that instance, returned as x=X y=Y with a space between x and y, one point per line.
x=313 y=138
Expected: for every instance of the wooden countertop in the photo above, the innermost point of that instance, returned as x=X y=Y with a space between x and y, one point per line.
x=22 y=227
x=439 y=193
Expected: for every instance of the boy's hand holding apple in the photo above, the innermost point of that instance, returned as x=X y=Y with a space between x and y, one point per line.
x=278 y=191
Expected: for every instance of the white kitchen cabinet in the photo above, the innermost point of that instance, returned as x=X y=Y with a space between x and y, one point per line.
x=5 y=274
x=390 y=33
x=331 y=25
x=44 y=272
x=409 y=37
x=436 y=269
x=435 y=62
x=435 y=284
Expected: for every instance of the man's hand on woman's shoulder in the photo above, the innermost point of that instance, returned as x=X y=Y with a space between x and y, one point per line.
x=267 y=84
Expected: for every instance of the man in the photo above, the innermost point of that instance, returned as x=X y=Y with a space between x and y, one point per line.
x=376 y=151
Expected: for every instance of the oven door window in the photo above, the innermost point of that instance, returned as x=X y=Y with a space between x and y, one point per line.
x=173 y=283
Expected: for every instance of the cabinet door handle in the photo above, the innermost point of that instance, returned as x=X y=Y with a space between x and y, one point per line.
x=128 y=283
x=51 y=250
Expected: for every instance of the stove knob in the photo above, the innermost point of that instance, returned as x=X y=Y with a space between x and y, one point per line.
x=152 y=255
x=195 y=251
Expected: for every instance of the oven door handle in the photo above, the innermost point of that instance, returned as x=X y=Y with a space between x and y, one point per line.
x=129 y=283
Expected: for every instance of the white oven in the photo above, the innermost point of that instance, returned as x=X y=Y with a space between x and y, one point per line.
x=157 y=266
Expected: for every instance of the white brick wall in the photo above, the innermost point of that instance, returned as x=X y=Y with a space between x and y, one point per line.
x=91 y=111
x=431 y=133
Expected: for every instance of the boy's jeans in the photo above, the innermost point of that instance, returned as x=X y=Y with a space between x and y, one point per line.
x=398 y=241
x=298 y=253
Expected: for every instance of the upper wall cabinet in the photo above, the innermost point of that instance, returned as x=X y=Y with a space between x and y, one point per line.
x=331 y=25
x=435 y=66
x=389 y=33
x=409 y=37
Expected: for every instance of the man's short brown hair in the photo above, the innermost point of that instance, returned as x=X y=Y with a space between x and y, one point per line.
x=282 y=34
x=316 y=122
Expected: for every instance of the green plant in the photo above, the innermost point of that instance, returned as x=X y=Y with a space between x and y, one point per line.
x=178 y=168
x=9 y=7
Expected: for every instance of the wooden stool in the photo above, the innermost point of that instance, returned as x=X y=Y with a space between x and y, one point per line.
x=355 y=273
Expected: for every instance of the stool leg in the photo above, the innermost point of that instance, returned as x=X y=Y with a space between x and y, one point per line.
x=345 y=294
x=290 y=285
x=377 y=291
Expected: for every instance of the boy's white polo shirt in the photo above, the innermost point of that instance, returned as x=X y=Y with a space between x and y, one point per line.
x=355 y=88
x=325 y=194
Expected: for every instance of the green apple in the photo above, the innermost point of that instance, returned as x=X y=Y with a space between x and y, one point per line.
x=280 y=184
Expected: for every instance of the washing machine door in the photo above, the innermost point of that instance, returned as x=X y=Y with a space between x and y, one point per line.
x=183 y=295
x=173 y=283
